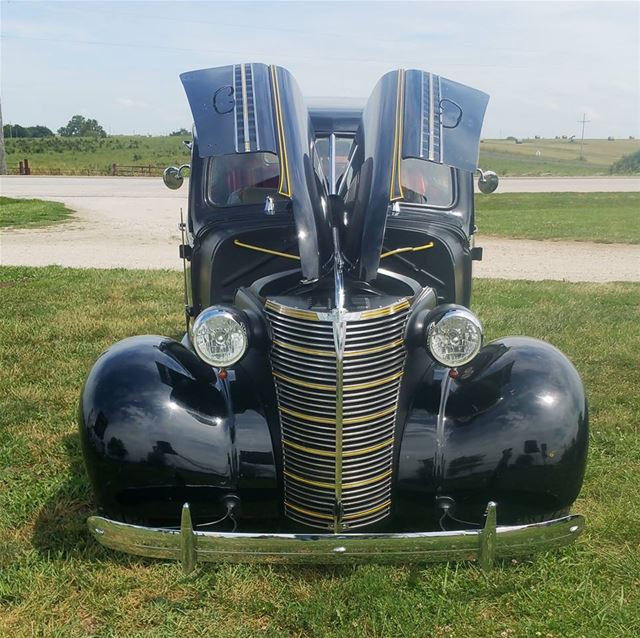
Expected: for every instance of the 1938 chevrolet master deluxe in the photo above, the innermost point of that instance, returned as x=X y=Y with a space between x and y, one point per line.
x=332 y=399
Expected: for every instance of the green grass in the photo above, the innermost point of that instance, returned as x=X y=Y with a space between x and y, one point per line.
x=30 y=213
x=553 y=157
x=72 y=156
x=56 y=581
x=599 y=217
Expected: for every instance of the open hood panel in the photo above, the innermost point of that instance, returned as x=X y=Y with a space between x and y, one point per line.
x=232 y=109
x=410 y=114
x=442 y=120
x=247 y=108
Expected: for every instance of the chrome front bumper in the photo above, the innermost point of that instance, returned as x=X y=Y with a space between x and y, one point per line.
x=189 y=546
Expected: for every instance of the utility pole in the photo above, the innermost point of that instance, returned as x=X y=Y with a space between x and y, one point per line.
x=3 y=159
x=583 y=121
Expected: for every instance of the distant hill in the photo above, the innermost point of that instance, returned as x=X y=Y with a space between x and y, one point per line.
x=553 y=156
x=70 y=156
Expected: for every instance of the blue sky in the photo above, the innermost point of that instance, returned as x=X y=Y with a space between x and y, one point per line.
x=543 y=63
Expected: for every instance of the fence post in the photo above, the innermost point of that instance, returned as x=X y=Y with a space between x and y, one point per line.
x=114 y=169
x=21 y=167
x=27 y=169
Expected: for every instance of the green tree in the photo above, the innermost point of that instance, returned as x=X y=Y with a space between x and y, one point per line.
x=180 y=131
x=79 y=126
x=39 y=131
x=15 y=130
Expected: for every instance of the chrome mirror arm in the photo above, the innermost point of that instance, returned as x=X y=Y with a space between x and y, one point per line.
x=173 y=176
x=488 y=181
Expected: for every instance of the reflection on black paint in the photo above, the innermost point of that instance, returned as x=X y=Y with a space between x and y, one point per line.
x=100 y=425
x=116 y=448
x=501 y=441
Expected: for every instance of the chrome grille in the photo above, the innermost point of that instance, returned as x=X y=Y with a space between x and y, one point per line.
x=337 y=460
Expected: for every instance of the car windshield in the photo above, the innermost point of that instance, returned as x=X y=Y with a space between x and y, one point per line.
x=342 y=148
x=243 y=178
x=427 y=183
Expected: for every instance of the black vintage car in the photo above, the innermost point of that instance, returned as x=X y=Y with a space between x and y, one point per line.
x=332 y=399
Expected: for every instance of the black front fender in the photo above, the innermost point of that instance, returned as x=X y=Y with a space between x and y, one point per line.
x=158 y=429
x=513 y=428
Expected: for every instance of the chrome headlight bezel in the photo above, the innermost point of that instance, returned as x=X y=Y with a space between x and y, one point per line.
x=202 y=323
x=435 y=326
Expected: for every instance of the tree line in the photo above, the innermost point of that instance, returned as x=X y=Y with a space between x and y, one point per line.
x=77 y=126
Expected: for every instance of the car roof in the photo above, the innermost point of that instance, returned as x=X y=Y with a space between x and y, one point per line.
x=335 y=120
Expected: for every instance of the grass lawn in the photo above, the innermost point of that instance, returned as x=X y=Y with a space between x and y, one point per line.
x=30 y=213
x=56 y=581
x=553 y=157
x=599 y=217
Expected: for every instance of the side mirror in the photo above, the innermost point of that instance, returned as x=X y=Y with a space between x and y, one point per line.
x=487 y=182
x=173 y=177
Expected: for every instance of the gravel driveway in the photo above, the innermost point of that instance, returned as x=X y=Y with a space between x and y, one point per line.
x=133 y=223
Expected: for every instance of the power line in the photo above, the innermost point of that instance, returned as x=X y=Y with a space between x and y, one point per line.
x=3 y=158
x=234 y=51
x=346 y=37
x=584 y=121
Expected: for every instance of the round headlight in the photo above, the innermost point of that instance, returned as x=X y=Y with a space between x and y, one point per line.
x=454 y=338
x=219 y=337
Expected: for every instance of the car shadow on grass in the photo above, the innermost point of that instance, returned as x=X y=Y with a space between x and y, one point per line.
x=61 y=532
x=60 y=529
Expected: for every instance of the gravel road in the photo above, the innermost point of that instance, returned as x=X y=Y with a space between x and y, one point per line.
x=132 y=223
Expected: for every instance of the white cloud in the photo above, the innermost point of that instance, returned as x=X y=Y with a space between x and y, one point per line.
x=130 y=103
x=543 y=63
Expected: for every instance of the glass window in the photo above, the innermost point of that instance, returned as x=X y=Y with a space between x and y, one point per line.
x=343 y=146
x=322 y=147
x=426 y=183
x=243 y=178
x=319 y=167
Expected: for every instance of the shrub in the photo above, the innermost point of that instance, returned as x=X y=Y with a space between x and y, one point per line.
x=627 y=165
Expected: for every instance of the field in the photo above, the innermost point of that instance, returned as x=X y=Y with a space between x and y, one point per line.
x=56 y=581
x=69 y=156
x=31 y=213
x=556 y=157
x=82 y=156
x=599 y=217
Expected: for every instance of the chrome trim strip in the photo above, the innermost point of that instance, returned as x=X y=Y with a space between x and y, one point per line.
x=311 y=315
x=332 y=162
x=445 y=389
x=485 y=545
x=235 y=107
x=245 y=109
x=255 y=106
x=441 y=122
x=431 y=118
x=422 y=115
x=339 y=326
